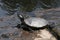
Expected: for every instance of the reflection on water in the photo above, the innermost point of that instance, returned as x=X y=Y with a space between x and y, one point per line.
x=27 y=5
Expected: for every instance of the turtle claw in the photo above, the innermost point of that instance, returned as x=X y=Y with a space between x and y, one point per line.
x=18 y=26
x=31 y=30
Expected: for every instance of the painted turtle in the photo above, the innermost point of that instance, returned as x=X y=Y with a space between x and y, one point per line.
x=35 y=23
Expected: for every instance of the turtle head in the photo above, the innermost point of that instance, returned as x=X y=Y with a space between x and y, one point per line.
x=21 y=18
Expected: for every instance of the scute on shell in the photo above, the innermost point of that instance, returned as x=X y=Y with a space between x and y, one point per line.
x=36 y=22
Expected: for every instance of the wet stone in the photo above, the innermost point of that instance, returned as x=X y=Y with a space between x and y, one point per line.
x=4 y=36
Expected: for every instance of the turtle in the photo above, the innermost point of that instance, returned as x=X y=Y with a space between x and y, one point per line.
x=36 y=23
x=33 y=22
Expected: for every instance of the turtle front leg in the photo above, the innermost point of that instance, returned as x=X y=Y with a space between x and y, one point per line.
x=28 y=29
x=24 y=28
x=18 y=26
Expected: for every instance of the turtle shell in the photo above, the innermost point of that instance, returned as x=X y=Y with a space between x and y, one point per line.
x=36 y=22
